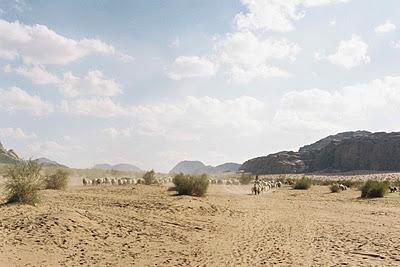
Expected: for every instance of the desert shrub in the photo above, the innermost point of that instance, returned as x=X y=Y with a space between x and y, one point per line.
x=149 y=177
x=303 y=184
x=374 y=188
x=190 y=184
x=57 y=181
x=334 y=188
x=245 y=178
x=23 y=182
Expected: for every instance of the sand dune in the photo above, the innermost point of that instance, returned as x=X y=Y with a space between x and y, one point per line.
x=148 y=226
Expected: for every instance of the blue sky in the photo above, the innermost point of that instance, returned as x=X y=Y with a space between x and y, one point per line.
x=155 y=82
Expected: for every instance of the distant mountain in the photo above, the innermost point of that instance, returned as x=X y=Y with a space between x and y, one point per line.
x=198 y=167
x=188 y=166
x=123 y=167
x=227 y=167
x=49 y=163
x=8 y=156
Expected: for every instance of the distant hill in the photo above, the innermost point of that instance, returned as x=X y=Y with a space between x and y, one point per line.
x=8 y=156
x=49 y=163
x=123 y=167
x=198 y=167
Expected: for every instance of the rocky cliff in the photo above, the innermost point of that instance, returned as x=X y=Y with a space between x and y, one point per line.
x=7 y=156
x=360 y=150
x=281 y=162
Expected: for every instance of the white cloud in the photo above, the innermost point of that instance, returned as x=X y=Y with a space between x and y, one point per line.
x=117 y=132
x=16 y=133
x=16 y=99
x=38 y=44
x=189 y=67
x=362 y=106
x=245 y=75
x=93 y=83
x=349 y=54
x=50 y=149
x=248 y=57
x=386 y=27
x=245 y=56
x=96 y=107
x=37 y=74
x=275 y=15
x=194 y=117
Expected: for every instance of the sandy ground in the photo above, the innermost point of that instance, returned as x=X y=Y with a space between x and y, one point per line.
x=148 y=226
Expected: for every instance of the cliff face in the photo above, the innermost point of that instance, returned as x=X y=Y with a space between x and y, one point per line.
x=372 y=151
x=347 y=151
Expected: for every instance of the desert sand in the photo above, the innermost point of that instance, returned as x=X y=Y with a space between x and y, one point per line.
x=149 y=226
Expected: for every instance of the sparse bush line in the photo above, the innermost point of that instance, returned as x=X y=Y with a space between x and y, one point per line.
x=303 y=184
x=191 y=185
x=374 y=189
x=334 y=188
x=23 y=182
x=57 y=181
x=149 y=177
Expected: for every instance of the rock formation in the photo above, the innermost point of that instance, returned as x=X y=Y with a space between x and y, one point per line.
x=349 y=151
x=7 y=156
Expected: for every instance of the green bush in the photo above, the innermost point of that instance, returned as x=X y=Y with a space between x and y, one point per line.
x=149 y=177
x=303 y=184
x=23 y=182
x=372 y=189
x=191 y=185
x=57 y=181
x=335 y=188
x=245 y=178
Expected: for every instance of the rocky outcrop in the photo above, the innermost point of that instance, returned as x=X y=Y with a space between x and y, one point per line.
x=349 y=151
x=198 y=167
x=8 y=156
x=282 y=162
x=359 y=151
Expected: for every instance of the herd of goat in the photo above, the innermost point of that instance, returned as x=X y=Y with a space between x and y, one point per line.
x=257 y=188
x=121 y=181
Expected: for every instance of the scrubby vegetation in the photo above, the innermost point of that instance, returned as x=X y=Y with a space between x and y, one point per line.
x=335 y=188
x=149 y=177
x=303 y=184
x=245 y=178
x=23 y=182
x=57 y=181
x=372 y=189
x=190 y=184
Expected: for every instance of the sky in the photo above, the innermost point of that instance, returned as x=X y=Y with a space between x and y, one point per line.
x=152 y=83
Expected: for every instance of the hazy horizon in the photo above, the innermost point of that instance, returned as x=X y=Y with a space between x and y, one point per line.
x=152 y=83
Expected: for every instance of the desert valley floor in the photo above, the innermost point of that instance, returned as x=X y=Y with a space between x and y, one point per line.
x=149 y=226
